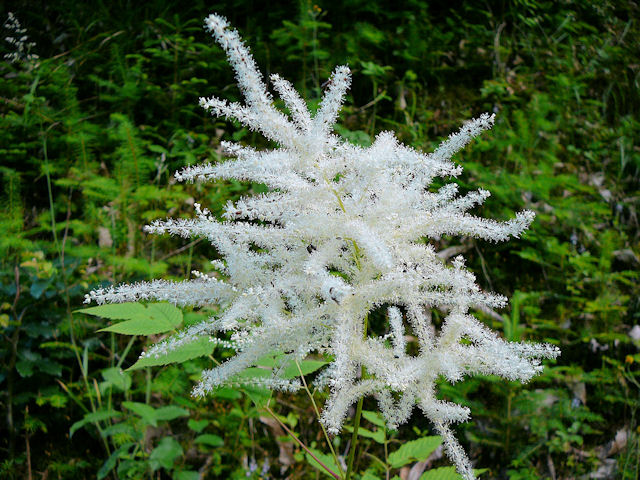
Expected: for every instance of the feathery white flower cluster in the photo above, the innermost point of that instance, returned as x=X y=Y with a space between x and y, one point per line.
x=340 y=233
x=19 y=40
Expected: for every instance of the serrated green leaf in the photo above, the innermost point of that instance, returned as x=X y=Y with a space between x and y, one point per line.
x=92 y=417
x=146 y=412
x=259 y=396
x=121 y=428
x=210 y=440
x=326 y=459
x=159 y=318
x=414 y=451
x=139 y=319
x=165 y=312
x=199 y=348
x=116 y=377
x=116 y=311
x=152 y=415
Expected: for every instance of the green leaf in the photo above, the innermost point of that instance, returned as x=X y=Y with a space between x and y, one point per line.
x=226 y=393
x=209 y=440
x=443 y=473
x=377 y=436
x=374 y=417
x=187 y=475
x=121 y=429
x=92 y=417
x=170 y=412
x=368 y=475
x=158 y=318
x=252 y=372
x=38 y=287
x=273 y=361
x=447 y=473
x=259 y=396
x=50 y=367
x=140 y=319
x=116 y=311
x=152 y=416
x=326 y=459
x=146 y=412
x=116 y=377
x=307 y=367
x=25 y=368
x=414 y=451
x=197 y=425
x=113 y=458
x=199 y=348
x=165 y=454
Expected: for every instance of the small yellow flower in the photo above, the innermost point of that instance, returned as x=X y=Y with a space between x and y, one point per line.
x=628 y=359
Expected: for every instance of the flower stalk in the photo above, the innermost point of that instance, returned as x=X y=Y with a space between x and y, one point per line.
x=300 y=274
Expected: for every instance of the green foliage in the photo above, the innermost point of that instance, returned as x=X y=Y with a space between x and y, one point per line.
x=200 y=348
x=445 y=473
x=141 y=320
x=91 y=133
x=414 y=451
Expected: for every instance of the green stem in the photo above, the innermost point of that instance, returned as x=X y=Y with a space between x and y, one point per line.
x=324 y=430
x=356 y=421
x=354 y=439
x=126 y=350
x=304 y=447
x=386 y=454
x=147 y=393
x=356 y=426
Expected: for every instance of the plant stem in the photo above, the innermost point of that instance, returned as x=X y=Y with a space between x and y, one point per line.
x=354 y=438
x=126 y=350
x=356 y=421
x=324 y=430
x=292 y=435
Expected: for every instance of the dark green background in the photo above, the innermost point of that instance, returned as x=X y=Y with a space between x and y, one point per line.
x=91 y=134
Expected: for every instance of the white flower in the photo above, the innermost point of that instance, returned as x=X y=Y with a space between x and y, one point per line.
x=21 y=46
x=341 y=232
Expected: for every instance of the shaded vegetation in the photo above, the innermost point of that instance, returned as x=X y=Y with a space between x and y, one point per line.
x=92 y=131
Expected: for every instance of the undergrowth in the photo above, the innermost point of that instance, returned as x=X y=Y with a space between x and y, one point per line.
x=93 y=129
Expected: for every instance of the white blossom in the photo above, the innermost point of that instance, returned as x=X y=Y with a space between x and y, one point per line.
x=342 y=231
x=19 y=41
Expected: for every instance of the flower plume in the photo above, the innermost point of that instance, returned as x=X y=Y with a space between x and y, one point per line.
x=343 y=230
